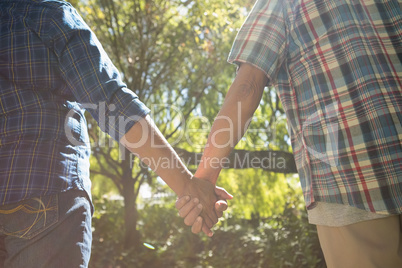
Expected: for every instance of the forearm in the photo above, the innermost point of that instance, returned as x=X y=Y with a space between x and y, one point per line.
x=232 y=121
x=146 y=141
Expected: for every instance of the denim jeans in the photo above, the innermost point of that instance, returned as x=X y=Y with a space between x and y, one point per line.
x=48 y=231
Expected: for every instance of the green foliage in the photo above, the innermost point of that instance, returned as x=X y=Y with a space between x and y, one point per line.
x=172 y=54
x=258 y=192
x=281 y=240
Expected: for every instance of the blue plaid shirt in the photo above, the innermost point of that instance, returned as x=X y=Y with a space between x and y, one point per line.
x=52 y=67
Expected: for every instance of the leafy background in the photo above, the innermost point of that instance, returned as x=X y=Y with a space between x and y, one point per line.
x=172 y=54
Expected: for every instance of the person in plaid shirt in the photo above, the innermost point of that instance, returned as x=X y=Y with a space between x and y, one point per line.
x=336 y=66
x=52 y=67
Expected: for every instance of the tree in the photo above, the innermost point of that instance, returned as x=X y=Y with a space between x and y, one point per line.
x=172 y=54
x=169 y=54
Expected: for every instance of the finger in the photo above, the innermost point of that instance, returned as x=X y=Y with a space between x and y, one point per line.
x=222 y=193
x=214 y=218
x=219 y=214
x=221 y=205
x=210 y=218
x=207 y=220
x=197 y=226
x=180 y=202
x=192 y=216
x=207 y=230
x=183 y=212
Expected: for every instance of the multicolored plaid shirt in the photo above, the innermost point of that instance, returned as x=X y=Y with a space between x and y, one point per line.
x=52 y=67
x=336 y=66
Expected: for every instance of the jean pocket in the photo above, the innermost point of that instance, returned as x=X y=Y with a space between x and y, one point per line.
x=28 y=218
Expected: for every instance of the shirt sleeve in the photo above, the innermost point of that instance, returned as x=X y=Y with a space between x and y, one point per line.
x=262 y=39
x=91 y=76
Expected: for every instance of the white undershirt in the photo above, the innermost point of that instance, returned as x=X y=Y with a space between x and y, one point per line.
x=336 y=215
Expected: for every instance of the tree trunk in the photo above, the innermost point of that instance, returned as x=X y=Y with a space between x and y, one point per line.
x=132 y=235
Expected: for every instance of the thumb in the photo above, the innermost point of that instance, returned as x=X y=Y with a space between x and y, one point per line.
x=220 y=205
x=222 y=193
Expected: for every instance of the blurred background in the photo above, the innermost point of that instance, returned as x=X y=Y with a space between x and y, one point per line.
x=172 y=54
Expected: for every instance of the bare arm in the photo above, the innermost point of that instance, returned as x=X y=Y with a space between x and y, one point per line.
x=240 y=103
x=146 y=141
x=229 y=126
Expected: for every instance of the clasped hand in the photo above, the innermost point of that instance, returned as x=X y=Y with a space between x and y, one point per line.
x=201 y=204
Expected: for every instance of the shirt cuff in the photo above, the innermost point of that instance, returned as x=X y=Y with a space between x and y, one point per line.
x=237 y=60
x=122 y=112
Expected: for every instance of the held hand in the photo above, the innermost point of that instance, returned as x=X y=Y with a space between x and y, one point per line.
x=190 y=210
x=205 y=192
x=221 y=205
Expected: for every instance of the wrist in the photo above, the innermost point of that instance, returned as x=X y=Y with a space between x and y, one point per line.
x=211 y=176
x=184 y=185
